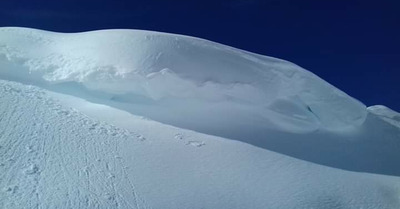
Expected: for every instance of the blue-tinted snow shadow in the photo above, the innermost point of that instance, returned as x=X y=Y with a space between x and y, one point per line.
x=373 y=148
x=365 y=150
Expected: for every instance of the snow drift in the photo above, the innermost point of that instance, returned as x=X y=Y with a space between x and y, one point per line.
x=80 y=127
x=181 y=77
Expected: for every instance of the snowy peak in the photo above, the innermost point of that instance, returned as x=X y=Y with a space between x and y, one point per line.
x=179 y=77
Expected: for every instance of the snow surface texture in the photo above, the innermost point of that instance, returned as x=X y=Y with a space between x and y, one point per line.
x=386 y=114
x=170 y=78
x=56 y=157
x=78 y=128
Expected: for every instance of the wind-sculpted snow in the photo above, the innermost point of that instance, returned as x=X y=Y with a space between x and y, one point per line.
x=386 y=114
x=52 y=156
x=85 y=123
x=180 y=77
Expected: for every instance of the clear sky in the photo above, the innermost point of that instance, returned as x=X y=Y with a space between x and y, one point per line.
x=353 y=44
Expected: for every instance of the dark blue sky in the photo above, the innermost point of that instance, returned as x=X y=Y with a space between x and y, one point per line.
x=353 y=44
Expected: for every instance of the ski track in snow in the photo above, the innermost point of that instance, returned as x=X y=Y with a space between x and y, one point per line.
x=76 y=173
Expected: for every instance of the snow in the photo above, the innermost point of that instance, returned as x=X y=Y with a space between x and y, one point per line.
x=56 y=157
x=386 y=114
x=181 y=77
x=102 y=120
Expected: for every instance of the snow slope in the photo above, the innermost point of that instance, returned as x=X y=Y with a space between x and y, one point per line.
x=56 y=157
x=78 y=127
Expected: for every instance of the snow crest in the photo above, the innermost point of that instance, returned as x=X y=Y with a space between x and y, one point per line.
x=171 y=78
x=390 y=116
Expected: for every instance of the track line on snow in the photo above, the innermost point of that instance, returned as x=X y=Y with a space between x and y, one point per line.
x=36 y=157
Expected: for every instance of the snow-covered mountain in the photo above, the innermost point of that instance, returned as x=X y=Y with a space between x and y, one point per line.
x=140 y=119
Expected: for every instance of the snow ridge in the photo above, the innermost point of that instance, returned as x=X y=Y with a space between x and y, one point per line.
x=85 y=122
x=181 y=77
